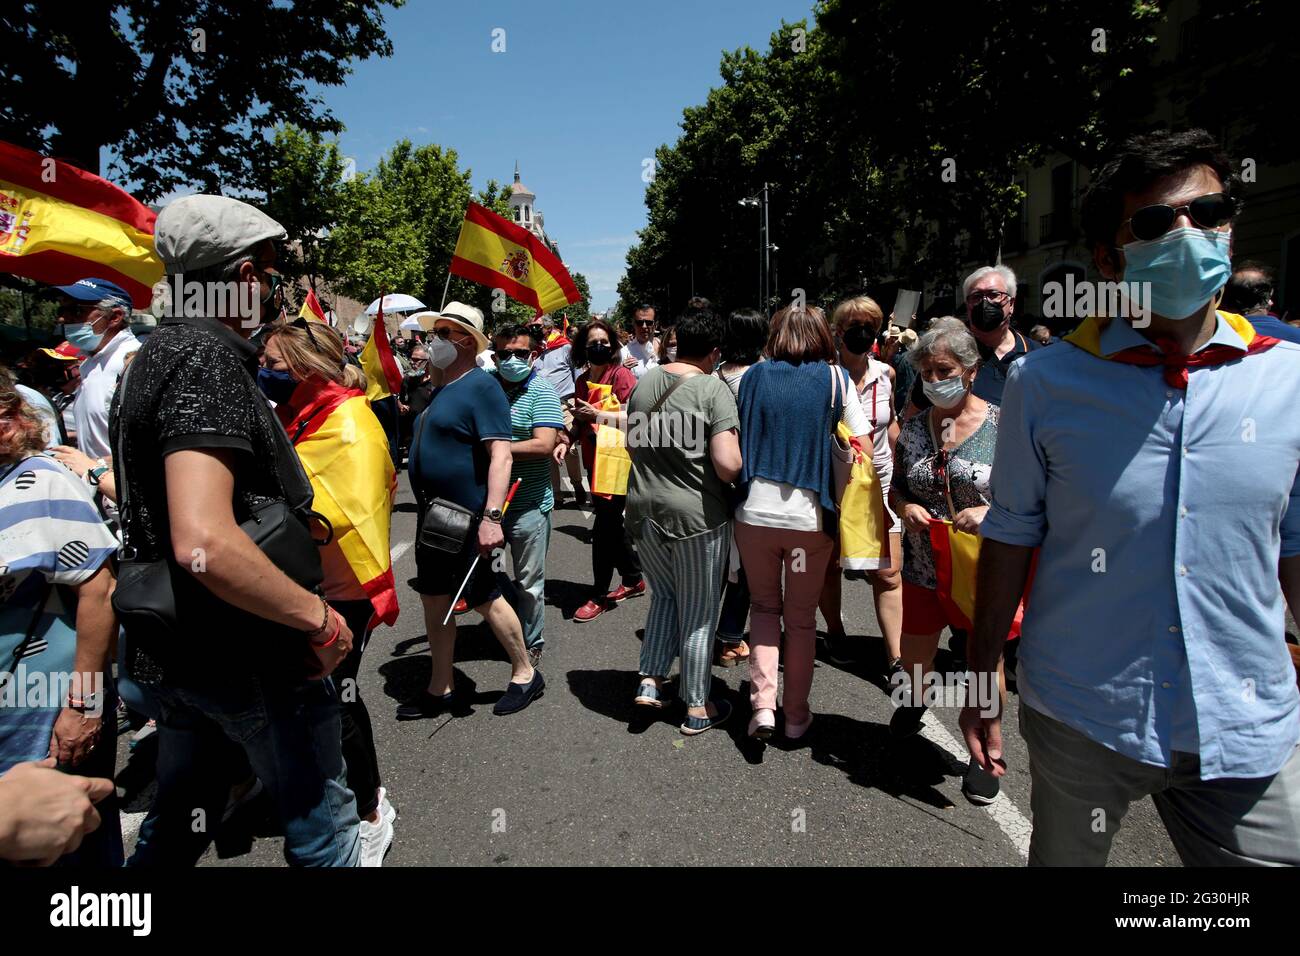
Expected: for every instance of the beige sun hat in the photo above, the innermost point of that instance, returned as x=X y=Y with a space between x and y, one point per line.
x=468 y=318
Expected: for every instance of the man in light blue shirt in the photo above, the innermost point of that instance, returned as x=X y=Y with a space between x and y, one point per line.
x=1153 y=461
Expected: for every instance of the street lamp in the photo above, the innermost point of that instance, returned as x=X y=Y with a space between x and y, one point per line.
x=765 y=247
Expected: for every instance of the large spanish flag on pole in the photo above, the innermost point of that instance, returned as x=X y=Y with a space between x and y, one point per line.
x=383 y=377
x=59 y=224
x=502 y=255
x=344 y=451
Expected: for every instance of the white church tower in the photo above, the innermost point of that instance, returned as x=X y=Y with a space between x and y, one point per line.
x=524 y=212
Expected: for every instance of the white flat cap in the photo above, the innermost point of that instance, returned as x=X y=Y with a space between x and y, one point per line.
x=199 y=231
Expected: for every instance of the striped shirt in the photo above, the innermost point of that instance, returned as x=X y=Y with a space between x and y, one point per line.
x=533 y=404
x=50 y=533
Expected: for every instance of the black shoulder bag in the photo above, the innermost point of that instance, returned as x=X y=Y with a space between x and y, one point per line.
x=161 y=597
x=444 y=525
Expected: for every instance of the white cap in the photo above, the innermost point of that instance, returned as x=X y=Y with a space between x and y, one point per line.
x=468 y=318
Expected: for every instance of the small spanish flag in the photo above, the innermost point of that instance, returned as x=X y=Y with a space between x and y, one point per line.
x=59 y=224
x=383 y=377
x=956 y=562
x=311 y=308
x=502 y=255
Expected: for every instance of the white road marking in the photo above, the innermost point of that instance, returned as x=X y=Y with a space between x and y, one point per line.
x=399 y=549
x=1005 y=814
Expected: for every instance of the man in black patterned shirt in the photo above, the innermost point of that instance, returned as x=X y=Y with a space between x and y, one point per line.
x=200 y=450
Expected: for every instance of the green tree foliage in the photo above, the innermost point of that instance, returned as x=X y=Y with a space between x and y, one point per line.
x=853 y=123
x=303 y=178
x=182 y=93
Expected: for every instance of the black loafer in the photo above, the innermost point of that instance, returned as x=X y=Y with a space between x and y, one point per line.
x=519 y=696
x=424 y=705
x=979 y=786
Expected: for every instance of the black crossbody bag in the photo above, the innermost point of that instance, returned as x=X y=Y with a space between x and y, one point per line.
x=162 y=598
x=444 y=525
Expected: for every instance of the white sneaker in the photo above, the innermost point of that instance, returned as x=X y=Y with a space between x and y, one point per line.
x=376 y=838
x=386 y=810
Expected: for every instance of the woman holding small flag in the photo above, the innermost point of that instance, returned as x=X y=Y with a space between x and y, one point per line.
x=942 y=464
x=321 y=401
x=605 y=386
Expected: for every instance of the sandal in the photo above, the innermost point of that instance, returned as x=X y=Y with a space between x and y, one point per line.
x=698 y=725
x=650 y=695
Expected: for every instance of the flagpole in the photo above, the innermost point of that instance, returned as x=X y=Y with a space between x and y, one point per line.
x=451 y=608
x=445 y=287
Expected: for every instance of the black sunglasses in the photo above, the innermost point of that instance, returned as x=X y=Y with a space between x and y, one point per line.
x=646 y=325
x=301 y=323
x=1209 y=212
x=504 y=354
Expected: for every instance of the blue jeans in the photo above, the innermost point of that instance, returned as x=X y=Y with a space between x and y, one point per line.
x=529 y=535
x=289 y=731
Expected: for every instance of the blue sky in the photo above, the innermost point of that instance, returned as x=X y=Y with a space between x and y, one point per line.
x=583 y=92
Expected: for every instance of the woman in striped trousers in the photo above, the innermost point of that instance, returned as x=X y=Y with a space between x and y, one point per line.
x=682 y=438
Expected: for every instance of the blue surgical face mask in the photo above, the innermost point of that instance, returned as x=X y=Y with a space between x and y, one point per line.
x=83 y=336
x=1181 y=271
x=945 y=393
x=514 y=369
x=277 y=386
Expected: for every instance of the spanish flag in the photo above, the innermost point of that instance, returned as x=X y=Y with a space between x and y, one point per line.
x=344 y=451
x=956 y=562
x=502 y=255
x=311 y=309
x=383 y=377
x=59 y=224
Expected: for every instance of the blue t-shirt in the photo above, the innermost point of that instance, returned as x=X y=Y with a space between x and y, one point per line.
x=1272 y=325
x=50 y=533
x=448 y=457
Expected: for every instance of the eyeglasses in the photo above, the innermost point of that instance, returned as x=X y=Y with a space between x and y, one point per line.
x=444 y=332
x=996 y=296
x=1209 y=212
x=521 y=354
x=646 y=325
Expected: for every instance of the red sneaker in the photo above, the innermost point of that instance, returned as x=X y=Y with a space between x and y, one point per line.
x=589 y=612
x=623 y=593
x=462 y=606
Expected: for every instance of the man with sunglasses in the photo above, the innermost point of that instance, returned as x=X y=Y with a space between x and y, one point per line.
x=1152 y=463
x=536 y=419
x=95 y=316
x=201 y=451
x=643 y=347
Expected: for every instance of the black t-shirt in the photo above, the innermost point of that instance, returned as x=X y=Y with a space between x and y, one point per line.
x=992 y=375
x=192 y=386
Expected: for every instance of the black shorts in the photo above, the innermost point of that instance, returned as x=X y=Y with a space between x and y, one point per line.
x=441 y=572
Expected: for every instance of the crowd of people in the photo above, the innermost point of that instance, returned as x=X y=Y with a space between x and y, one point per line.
x=1133 y=488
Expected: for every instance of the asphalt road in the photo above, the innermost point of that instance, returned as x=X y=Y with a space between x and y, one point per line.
x=579 y=778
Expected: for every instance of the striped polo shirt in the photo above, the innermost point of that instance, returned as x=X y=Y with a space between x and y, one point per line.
x=533 y=404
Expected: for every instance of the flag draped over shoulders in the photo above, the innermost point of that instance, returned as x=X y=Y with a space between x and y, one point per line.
x=344 y=451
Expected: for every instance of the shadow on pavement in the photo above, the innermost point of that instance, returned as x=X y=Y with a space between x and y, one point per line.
x=870 y=757
x=581 y=532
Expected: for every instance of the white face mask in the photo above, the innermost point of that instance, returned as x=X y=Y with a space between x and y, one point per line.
x=441 y=353
x=671 y=353
x=945 y=393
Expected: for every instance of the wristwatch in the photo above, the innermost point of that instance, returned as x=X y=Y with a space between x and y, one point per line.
x=493 y=514
x=94 y=474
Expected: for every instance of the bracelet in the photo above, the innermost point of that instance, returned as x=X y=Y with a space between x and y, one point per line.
x=338 y=629
x=325 y=621
x=82 y=703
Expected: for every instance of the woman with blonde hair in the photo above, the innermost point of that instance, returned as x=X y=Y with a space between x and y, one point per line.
x=789 y=408
x=321 y=401
x=857 y=322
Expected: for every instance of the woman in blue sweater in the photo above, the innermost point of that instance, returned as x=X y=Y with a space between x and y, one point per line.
x=788 y=408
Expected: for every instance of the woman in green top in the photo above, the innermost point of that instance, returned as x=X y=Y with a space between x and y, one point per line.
x=681 y=434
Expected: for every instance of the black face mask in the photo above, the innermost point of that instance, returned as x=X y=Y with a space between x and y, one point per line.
x=600 y=353
x=858 y=338
x=987 y=316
